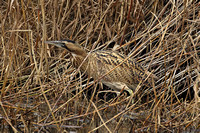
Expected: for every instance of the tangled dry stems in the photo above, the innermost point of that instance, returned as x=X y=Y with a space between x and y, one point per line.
x=40 y=90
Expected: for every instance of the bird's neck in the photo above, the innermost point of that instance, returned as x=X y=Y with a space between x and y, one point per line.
x=80 y=61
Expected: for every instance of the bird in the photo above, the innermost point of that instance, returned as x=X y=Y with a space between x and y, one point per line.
x=111 y=68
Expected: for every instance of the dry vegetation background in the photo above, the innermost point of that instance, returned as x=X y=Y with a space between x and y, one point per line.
x=42 y=92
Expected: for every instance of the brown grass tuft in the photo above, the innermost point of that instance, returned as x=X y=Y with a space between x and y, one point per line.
x=41 y=91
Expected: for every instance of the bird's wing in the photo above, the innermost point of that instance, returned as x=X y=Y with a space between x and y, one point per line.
x=128 y=72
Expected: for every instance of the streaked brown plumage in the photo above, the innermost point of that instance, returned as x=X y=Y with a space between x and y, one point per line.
x=128 y=75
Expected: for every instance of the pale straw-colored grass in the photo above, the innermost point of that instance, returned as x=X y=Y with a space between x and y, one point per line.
x=41 y=91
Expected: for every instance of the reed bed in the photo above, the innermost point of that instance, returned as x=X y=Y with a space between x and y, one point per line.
x=42 y=92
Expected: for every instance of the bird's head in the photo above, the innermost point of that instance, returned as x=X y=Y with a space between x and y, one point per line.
x=71 y=46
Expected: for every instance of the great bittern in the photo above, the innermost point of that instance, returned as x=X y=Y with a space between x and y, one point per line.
x=126 y=76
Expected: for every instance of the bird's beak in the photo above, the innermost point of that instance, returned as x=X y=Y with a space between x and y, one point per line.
x=56 y=43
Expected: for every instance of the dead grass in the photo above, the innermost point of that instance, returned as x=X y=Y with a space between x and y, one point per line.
x=41 y=91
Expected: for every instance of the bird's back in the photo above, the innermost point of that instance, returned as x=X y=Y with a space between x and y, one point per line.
x=129 y=72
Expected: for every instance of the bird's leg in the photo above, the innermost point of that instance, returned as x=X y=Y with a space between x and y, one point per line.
x=131 y=93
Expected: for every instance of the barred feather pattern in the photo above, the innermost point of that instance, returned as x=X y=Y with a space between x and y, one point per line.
x=101 y=65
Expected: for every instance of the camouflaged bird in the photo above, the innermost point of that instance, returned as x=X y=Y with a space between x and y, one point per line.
x=102 y=65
